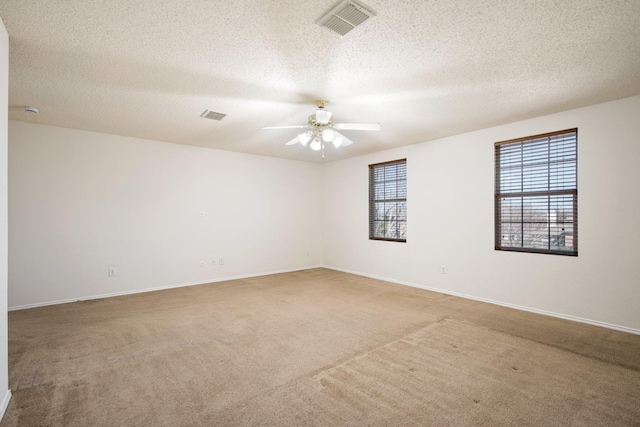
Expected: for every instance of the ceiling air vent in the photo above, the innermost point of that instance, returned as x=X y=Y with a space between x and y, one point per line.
x=208 y=114
x=344 y=17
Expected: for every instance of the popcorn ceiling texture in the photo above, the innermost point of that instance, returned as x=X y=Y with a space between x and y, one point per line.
x=422 y=69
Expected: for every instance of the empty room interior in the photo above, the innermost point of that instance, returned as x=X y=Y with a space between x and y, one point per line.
x=320 y=213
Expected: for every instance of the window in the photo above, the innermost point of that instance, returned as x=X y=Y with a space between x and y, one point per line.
x=536 y=194
x=388 y=201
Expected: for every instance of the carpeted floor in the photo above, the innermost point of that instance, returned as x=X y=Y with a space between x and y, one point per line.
x=316 y=347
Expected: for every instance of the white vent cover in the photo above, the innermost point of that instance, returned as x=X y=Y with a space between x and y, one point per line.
x=208 y=114
x=344 y=17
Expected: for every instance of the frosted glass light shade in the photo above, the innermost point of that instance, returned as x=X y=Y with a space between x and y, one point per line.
x=316 y=145
x=327 y=135
x=304 y=137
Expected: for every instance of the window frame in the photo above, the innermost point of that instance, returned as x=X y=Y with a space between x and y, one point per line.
x=373 y=200
x=572 y=193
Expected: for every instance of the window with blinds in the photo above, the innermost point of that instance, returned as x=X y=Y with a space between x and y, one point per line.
x=388 y=201
x=536 y=194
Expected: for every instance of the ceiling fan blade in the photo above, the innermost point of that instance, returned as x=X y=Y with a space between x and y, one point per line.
x=345 y=141
x=357 y=126
x=294 y=141
x=286 y=127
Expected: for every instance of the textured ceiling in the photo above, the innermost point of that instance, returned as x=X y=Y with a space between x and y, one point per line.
x=422 y=69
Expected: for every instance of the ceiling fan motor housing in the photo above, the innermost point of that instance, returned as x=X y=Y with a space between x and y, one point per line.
x=322 y=117
x=315 y=123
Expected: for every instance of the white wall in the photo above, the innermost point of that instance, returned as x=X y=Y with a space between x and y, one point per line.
x=450 y=220
x=80 y=202
x=5 y=394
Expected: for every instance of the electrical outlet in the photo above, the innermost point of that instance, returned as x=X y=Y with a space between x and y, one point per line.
x=443 y=269
x=112 y=271
x=221 y=261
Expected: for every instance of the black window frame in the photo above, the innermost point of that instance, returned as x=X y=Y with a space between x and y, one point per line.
x=561 y=193
x=393 y=188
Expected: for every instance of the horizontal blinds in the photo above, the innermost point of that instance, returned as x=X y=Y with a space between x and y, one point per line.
x=536 y=193
x=388 y=201
x=539 y=164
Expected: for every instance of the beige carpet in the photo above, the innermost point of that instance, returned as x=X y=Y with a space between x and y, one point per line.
x=316 y=347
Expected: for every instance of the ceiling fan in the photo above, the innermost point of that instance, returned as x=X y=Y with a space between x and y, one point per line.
x=321 y=128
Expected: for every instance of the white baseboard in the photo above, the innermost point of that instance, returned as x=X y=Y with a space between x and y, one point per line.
x=5 y=403
x=157 y=288
x=504 y=304
x=386 y=279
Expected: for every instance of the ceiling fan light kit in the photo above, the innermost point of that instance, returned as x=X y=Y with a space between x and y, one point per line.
x=321 y=129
